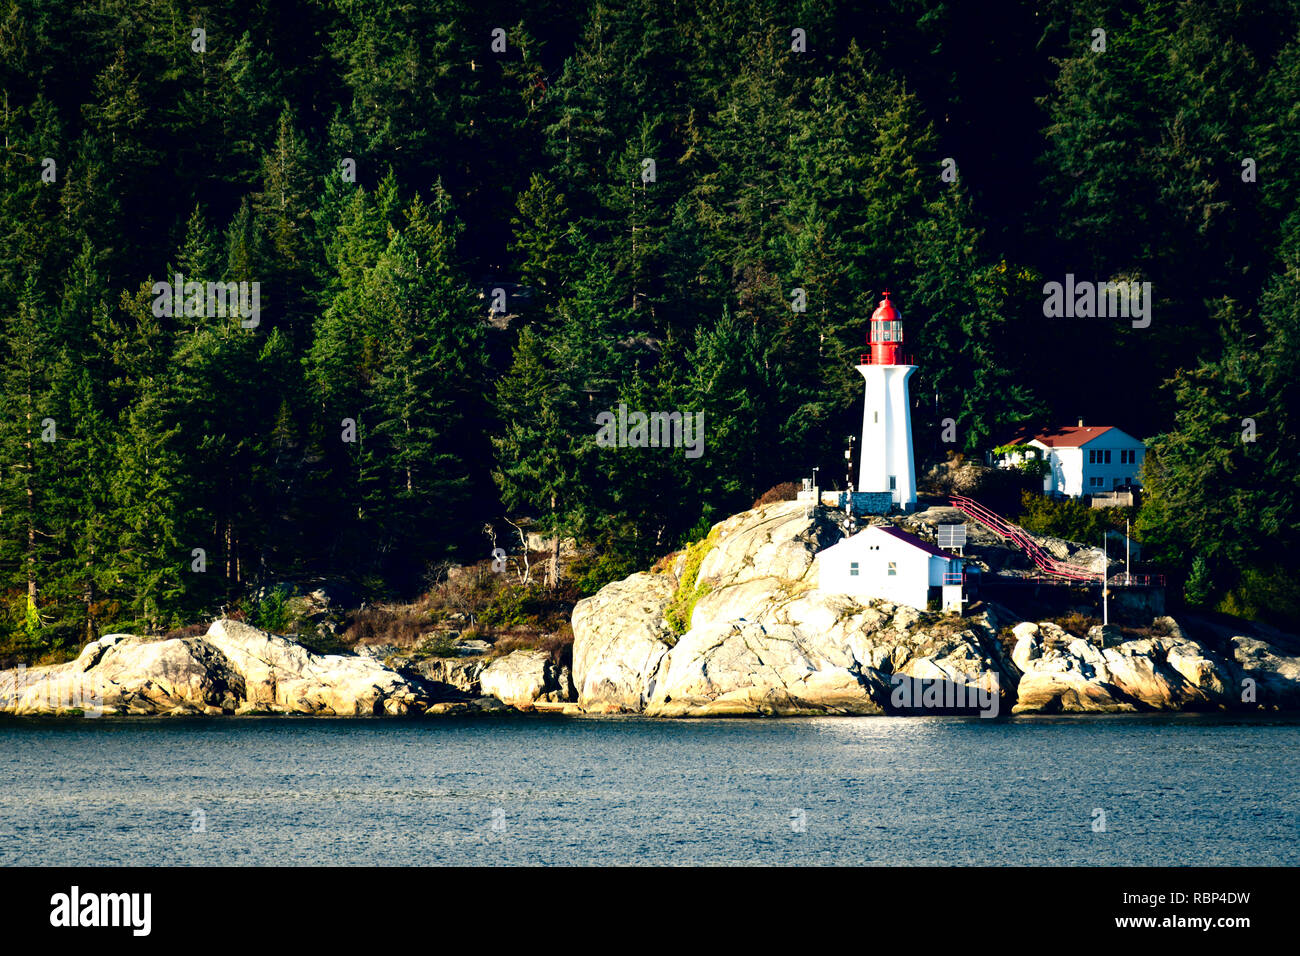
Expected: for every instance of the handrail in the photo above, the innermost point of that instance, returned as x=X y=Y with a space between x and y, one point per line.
x=1122 y=580
x=1043 y=561
x=867 y=358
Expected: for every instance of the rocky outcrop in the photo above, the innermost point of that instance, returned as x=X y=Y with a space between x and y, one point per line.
x=1063 y=673
x=620 y=641
x=234 y=668
x=745 y=667
x=123 y=674
x=763 y=639
x=238 y=669
x=1265 y=662
x=521 y=678
x=284 y=677
x=452 y=677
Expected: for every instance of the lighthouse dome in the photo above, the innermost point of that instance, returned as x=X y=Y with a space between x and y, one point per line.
x=885 y=312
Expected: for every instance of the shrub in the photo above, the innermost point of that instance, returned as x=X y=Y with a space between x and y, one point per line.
x=593 y=571
x=514 y=604
x=441 y=645
x=689 y=590
x=318 y=640
x=1076 y=623
x=1070 y=519
x=785 y=491
x=1269 y=594
x=464 y=591
x=271 y=613
x=1199 y=586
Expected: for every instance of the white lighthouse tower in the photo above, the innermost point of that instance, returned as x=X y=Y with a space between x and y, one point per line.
x=887 y=464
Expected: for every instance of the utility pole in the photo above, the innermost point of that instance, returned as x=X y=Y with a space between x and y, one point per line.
x=1105 y=583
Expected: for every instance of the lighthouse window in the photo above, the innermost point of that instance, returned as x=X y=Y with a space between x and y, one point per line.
x=893 y=482
x=893 y=567
x=853 y=569
x=887 y=331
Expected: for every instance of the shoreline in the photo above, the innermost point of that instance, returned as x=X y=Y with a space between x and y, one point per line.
x=534 y=715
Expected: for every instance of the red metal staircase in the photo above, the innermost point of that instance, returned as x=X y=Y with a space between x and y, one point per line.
x=1042 y=560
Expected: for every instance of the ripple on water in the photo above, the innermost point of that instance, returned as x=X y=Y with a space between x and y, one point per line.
x=1175 y=790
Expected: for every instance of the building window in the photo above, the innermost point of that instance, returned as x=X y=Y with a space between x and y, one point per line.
x=893 y=567
x=1095 y=482
x=1107 y=454
x=853 y=569
x=1092 y=456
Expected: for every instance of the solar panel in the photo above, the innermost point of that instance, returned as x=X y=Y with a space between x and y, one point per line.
x=952 y=535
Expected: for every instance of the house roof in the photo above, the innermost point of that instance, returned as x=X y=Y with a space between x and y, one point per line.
x=896 y=533
x=909 y=538
x=1069 y=436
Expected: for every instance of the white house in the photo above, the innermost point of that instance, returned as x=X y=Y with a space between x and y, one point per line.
x=1084 y=459
x=888 y=563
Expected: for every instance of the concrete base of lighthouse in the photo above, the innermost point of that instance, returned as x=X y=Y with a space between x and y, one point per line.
x=887 y=465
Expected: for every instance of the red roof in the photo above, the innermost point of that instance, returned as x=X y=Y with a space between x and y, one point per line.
x=908 y=538
x=1071 y=436
x=886 y=311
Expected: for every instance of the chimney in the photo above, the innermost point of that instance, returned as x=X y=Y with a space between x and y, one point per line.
x=1080 y=422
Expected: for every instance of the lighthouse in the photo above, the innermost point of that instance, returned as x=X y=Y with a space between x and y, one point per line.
x=887 y=466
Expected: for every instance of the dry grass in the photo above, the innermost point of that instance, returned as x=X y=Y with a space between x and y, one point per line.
x=401 y=626
x=1076 y=623
x=785 y=491
x=189 y=630
x=557 y=645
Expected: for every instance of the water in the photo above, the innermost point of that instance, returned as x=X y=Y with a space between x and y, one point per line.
x=1176 y=790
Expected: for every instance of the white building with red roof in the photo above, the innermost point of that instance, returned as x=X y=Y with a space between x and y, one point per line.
x=1084 y=459
x=891 y=564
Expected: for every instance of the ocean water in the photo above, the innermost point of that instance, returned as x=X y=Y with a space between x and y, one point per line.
x=1175 y=790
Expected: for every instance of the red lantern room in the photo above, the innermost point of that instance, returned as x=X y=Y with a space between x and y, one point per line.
x=886 y=336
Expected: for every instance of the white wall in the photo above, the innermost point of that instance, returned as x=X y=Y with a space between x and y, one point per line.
x=887 y=433
x=1063 y=469
x=1112 y=474
x=1071 y=471
x=873 y=550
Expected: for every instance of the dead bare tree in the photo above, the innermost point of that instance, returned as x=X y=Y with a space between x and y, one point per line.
x=525 y=576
